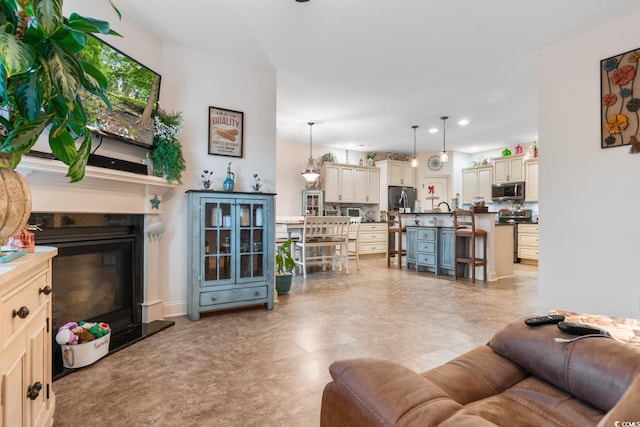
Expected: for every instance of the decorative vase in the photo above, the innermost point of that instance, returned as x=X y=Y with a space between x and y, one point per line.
x=227 y=185
x=15 y=203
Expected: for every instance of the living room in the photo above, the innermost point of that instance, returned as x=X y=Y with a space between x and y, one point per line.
x=586 y=258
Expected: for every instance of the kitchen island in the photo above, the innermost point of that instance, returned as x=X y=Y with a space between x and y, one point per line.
x=430 y=244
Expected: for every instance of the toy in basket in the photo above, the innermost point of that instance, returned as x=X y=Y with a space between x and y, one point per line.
x=83 y=343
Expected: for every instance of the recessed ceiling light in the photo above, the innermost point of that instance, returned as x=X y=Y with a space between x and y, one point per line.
x=463 y=122
x=433 y=130
x=302 y=1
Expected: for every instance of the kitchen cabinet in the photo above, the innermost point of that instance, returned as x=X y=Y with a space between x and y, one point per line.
x=446 y=259
x=25 y=340
x=476 y=182
x=373 y=238
x=366 y=185
x=312 y=202
x=528 y=242
x=431 y=249
x=397 y=172
x=230 y=253
x=508 y=169
x=351 y=184
x=531 y=181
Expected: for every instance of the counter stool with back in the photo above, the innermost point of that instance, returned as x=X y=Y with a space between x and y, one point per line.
x=466 y=235
x=395 y=229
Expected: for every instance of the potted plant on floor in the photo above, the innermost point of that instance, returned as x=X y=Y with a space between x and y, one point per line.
x=284 y=265
x=40 y=78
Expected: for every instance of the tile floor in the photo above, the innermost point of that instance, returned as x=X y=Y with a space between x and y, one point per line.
x=254 y=367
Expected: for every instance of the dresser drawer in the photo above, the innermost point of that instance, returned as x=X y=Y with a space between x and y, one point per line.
x=373 y=248
x=427 y=234
x=27 y=295
x=429 y=247
x=528 y=240
x=232 y=295
x=528 y=228
x=426 y=259
x=373 y=228
x=527 y=252
x=373 y=237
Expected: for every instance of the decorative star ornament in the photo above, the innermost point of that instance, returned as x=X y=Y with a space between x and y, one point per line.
x=155 y=202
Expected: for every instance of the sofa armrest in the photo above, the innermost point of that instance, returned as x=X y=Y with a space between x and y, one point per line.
x=371 y=392
x=626 y=410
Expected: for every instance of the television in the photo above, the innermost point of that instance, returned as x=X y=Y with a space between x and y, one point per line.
x=133 y=91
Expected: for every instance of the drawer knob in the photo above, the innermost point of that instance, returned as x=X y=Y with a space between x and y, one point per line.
x=257 y=293
x=22 y=312
x=46 y=290
x=34 y=391
x=213 y=298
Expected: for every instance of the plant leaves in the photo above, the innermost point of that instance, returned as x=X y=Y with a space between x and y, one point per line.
x=28 y=97
x=66 y=73
x=17 y=56
x=77 y=118
x=88 y=25
x=77 y=167
x=71 y=39
x=48 y=13
x=3 y=82
x=94 y=77
x=22 y=138
x=62 y=144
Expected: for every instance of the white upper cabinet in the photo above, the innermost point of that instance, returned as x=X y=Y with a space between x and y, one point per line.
x=508 y=169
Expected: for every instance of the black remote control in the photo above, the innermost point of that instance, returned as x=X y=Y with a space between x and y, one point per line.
x=550 y=319
x=581 y=329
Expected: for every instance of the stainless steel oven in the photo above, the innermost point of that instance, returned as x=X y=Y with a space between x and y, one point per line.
x=515 y=217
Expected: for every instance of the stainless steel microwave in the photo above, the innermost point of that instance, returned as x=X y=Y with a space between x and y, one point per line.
x=354 y=212
x=507 y=191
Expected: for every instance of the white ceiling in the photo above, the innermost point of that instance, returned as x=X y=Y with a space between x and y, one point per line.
x=365 y=71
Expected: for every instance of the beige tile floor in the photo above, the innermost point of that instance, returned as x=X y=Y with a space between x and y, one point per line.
x=254 y=367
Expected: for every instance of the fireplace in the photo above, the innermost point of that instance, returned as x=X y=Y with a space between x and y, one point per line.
x=97 y=275
x=109 y=209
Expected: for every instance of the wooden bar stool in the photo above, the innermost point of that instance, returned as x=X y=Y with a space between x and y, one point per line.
x=464 y=224
x=395 y=229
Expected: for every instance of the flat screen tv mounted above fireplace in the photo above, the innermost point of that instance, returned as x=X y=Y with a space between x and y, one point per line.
x=133 y=91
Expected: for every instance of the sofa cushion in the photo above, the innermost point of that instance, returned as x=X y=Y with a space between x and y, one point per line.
x=597 y=370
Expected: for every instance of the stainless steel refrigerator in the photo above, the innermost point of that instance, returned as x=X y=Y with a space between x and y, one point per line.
x=401 y=197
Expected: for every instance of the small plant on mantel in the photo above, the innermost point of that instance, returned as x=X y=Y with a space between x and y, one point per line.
x=166 y=154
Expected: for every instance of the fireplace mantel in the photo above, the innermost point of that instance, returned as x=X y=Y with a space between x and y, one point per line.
x=102 y=190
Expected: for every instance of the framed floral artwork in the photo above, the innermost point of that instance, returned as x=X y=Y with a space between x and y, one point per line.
x=620 y=100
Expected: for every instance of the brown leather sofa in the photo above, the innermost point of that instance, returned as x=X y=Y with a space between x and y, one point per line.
x=522 y=377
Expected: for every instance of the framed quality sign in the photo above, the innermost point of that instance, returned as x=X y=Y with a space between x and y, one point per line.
x=226 y=132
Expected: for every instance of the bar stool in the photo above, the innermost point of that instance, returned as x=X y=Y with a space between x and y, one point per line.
x=354 y=239
x=394 y=242
x=464 y=224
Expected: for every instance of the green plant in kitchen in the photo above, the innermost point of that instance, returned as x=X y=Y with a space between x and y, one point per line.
x=284 y=266
x=166 y=154
x=40 y=79
x=328 y=158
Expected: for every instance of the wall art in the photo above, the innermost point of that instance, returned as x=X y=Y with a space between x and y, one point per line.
x=226 y=132
x=620 y=100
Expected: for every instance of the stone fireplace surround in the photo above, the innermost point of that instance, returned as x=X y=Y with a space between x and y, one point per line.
x=104 y=191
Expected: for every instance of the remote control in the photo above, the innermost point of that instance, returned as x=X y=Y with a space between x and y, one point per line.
x=551 y=319
x=580 y=329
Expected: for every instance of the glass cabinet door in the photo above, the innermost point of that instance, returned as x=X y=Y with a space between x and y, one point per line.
x=251 y=261
x=218 y=241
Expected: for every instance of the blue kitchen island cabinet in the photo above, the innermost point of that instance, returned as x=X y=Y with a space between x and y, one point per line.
x=446 y=258
x=230 y=250
x=431 y=249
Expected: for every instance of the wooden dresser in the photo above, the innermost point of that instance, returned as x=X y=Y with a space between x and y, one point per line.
x=25 y=340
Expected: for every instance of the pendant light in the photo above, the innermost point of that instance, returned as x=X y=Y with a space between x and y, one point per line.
x=444 y=157
x=414 y=161
x=311 y=173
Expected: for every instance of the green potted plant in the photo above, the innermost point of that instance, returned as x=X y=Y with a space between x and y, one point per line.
x=40 y=79
x=166 y=154
x=284 y=266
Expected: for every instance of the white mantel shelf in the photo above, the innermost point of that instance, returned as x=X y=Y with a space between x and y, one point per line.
x=101 y=191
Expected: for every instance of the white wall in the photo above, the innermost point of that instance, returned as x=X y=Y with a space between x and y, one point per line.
x=589 y=197
x=191 y=82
